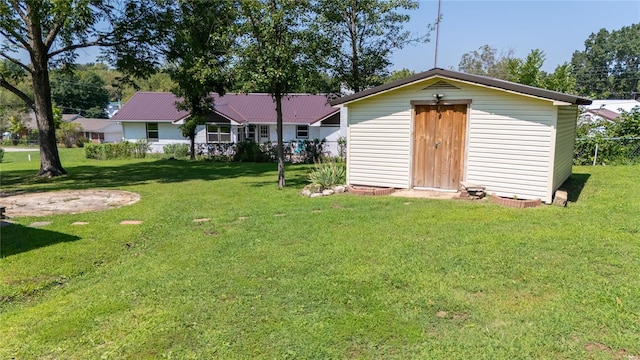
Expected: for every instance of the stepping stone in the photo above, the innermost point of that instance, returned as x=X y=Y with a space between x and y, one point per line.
x=40 y=223
x=279 y=214
x=130 y=222
x=243 y=218
x=80 y=223
x=201 y=220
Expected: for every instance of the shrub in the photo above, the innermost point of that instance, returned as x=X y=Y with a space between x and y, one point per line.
x=80 y=141
x=123 y=150
x=1 y=154
x=313 y=150
x=177 y=151
x=250 y=151
x=342 y=148
x=327 y=174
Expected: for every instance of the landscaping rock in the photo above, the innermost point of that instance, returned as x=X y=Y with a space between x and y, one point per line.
x=328 y=192
x=315 y=195
x=339 y=189
x=306 y=192
x=561 y=198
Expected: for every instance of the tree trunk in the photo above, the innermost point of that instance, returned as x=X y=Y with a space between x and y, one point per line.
x=192 y=137
x=50 y=164
x=281 y=180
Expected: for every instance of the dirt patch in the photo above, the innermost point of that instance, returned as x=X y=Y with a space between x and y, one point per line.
x=66 y=202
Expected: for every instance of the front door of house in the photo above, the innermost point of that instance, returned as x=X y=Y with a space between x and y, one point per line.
x=438 y=146
x=263 y=134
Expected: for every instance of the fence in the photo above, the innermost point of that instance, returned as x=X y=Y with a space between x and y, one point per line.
x=607 y=151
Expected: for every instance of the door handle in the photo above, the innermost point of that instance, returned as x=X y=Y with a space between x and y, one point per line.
x=437 y=143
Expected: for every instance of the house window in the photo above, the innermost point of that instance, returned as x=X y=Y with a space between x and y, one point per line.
x=251 y=132
x=302 y=131
x=218 y=133
x=152 y=131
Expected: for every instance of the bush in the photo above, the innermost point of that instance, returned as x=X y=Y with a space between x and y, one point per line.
x=327 y=174
x=123 y=150
x=176 y=151
x=80 y=141
x=250 y=151
x=1 y=154
x=313 y=150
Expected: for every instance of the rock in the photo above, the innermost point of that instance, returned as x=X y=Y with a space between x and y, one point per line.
x=315 y=195
x=339 y=189
x=561 y=198
x=327 y=192
x=306 y=192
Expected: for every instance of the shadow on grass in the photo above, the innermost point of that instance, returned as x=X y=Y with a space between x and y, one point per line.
x=17 y=239
x=574 y=185
x=160 y=171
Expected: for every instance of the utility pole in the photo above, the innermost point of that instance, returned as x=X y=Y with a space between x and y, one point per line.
x=435 y=60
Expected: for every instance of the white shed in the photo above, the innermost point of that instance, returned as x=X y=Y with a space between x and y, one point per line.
x=438 y=128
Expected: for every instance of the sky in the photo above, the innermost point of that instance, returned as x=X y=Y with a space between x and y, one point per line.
x=556 y=27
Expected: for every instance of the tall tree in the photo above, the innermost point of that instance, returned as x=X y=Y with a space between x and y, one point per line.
x=276 y=48
x=486 y=61
x=50 y=32
x=80 y=92
x=199 y=55
x=528 y=71
x=364 y=33
x=609 y=66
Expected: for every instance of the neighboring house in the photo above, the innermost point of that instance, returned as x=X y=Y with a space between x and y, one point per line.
x=606 y=110
x=438 y=128
x=153 y=116
x=99 y=130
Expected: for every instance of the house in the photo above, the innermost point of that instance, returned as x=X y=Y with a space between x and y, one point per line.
x=606 y=110
x=153 y=116
x=438 y=128
x=99 y=130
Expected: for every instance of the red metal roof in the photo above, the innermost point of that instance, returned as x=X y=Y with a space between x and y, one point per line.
x=605 y=113
x=242 y=108
x=151 y=106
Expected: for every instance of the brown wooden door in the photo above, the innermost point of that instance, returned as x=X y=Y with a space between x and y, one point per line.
x=438 y=146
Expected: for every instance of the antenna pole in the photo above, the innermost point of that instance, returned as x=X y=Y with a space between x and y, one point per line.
x=435 y=59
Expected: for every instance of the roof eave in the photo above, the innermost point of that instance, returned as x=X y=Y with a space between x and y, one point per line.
x=473 y=79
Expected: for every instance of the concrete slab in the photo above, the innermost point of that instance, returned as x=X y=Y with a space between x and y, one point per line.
x=130 y=222
x=201 y=220
x=80 y=223
x=40 y=223
x=425 y=194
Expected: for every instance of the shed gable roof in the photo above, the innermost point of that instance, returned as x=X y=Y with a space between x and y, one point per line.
x=475 y=79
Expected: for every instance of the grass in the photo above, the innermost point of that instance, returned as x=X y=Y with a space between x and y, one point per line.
x=277 y=275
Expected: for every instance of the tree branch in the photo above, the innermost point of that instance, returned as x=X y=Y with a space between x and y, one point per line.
x=98 y=42
x=16 y=61
x=51 y=36
x=17 y=92
x=19 y=41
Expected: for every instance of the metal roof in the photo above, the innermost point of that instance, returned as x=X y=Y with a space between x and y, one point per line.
x=476 y=79
x=242 y=108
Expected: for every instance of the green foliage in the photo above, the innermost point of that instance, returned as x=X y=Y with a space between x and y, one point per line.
x=313 y=150
x=1 y=154
x=81 y=92
x=617 y=143
x=199 y=54
x=342 y=148
x=275 y=275
x=486 y=62
x=16 y=127
x=362 y=35
x=528 y=71
x=122 y=150
x=250 y=151
x=81 y=140
x=176 y=151
x=328 y=174
x=67 y=133
x=608 y=67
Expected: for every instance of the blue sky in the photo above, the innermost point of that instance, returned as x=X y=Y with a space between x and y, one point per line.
x=556 y=27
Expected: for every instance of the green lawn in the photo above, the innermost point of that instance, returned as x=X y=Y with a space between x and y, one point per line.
x=277 y=275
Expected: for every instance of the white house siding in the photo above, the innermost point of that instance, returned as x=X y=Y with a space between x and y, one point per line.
x=508 y=139
x=565 y=139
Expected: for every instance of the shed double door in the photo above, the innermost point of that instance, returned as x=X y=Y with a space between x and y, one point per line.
x=438 y=146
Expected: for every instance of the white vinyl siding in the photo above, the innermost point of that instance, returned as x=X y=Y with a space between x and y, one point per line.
x=508 y=138
x=565 y=141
